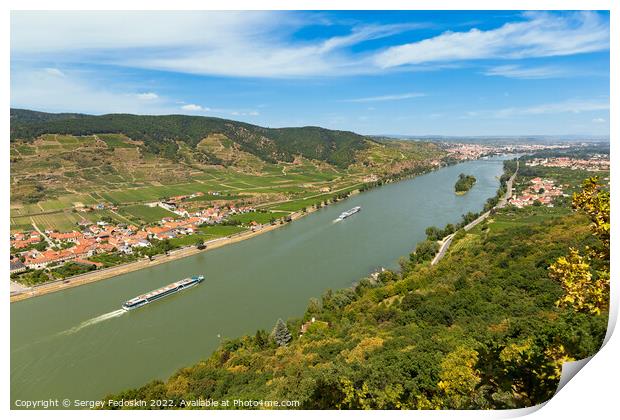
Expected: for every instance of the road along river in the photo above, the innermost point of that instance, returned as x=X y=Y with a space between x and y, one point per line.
x=78 y=344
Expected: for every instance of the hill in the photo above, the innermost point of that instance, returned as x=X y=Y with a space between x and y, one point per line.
x=160 y=134
x=58 y=167
x=484 y=328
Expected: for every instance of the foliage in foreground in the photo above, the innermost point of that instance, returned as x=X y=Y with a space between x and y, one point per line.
x=585 y=279
x=481 y=329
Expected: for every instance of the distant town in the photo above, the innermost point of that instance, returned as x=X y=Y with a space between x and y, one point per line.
x=597 y=162
x=469 y=151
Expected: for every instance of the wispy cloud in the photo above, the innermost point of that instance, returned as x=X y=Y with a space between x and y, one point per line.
x=570 y=106
x=540 y=35
x=397 y=97
x=243 y=44
x=203 y=110
x=574 y=106
x=260 y=44
x=54 y=72
x=65 y=91
x=520 y=72
x=599 y=120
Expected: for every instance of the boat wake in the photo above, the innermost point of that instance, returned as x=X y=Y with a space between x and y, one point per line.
x=93 y=321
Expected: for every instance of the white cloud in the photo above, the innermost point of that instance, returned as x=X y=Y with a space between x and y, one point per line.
x=54 y=72
x=194 y=108
x=599 y=120
x=147 y=96
x=397 y=97
x=221 y=112
x=540 y=35
x=520 y=72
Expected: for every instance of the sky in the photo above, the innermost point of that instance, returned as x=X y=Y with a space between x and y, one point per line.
x=456 y=73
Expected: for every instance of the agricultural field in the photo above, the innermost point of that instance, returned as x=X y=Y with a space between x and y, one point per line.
x=258 y=217
x=63 y=221
x=510 y=217
x=55 y=174
x=207 y=234
x=145 y=213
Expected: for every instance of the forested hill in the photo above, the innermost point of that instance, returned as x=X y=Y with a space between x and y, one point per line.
x=160 y=134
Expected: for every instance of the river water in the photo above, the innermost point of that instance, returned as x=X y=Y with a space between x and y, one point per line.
x=76 y=343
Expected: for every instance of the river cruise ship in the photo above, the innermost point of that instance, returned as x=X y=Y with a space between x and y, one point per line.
x=154 y=295
x=348 y=213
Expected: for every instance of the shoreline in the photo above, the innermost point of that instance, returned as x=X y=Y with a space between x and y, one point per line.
x=177 y=254
x=106 y=273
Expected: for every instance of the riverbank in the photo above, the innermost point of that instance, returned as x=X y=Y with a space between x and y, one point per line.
x=445 y=243
x=249 y=286
x=24 y=292
x=93 y=276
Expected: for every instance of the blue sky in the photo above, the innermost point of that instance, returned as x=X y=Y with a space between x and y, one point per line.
x=447 y=73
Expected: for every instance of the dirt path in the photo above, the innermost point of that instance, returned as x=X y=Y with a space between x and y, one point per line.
x=48 y=240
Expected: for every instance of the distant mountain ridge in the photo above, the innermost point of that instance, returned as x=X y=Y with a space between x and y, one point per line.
x=160 y=134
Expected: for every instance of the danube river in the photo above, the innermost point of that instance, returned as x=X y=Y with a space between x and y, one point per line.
x=76 y=343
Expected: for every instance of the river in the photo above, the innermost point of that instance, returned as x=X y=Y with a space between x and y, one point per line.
x=76 y=343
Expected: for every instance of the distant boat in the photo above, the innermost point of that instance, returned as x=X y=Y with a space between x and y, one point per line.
x=348 y=213
x=154 y=295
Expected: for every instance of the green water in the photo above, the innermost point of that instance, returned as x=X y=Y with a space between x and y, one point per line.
x=76 y=344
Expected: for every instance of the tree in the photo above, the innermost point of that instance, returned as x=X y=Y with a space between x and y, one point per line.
x=587 y=289
x=458 y=379
x=280 y=334
x=424 y=251
x=433 y=233
x=260 y=339
x=200 y=244
x=594 y=201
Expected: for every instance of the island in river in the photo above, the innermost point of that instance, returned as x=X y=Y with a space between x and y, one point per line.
x=464 y=183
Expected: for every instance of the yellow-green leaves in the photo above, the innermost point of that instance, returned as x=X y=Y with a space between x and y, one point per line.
x=587 y=290
x=459 y=378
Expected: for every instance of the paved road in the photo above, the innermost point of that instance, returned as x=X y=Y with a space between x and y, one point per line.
x=445 y=242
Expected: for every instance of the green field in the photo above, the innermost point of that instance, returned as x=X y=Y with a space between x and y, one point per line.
x=207 y=234
x=116 y=140
x=146 y=213
x=63 y=221
x=258 y=217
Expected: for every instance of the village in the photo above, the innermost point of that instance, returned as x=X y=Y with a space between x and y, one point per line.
x=539 y=192
x=36 y=249
x=596 y=162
